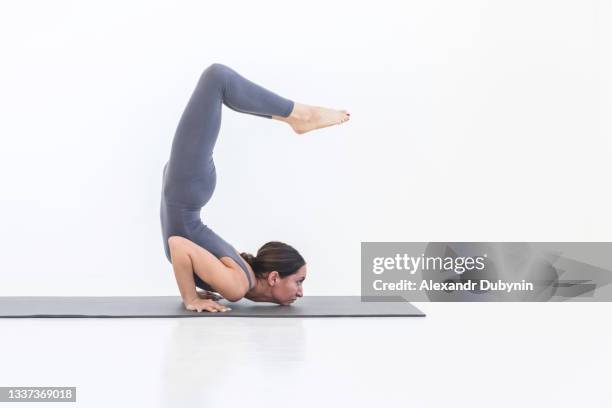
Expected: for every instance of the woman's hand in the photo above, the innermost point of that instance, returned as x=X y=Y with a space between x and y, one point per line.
x=209 y=295
x=209 y=305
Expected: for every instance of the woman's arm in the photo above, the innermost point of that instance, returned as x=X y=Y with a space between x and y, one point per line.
x=188 y=258
x=183 y=272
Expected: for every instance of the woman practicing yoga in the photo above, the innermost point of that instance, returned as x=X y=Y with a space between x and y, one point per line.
x=199 y=256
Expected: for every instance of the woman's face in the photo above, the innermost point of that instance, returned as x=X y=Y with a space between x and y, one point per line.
x=286 y=290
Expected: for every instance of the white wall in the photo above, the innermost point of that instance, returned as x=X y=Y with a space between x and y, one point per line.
x=471 y=120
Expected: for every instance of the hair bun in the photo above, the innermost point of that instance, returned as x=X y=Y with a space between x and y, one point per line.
x=249 y=258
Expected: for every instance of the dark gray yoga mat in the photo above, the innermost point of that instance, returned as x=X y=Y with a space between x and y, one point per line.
x=172 y=306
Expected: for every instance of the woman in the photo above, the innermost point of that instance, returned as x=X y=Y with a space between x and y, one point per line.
x=200 y=257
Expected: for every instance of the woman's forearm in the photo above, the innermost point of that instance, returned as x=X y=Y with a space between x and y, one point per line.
x=183 y=272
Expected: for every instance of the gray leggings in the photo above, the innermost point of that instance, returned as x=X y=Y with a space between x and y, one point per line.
x=189 y=176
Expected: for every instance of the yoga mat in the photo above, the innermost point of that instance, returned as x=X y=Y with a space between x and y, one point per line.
x=172 y=306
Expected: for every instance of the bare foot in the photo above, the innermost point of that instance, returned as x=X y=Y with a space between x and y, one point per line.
x=305 y=118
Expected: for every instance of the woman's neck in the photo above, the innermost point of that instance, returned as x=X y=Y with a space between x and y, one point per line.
x=261 y=292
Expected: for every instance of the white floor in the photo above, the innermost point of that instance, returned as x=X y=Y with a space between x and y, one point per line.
x=460 y=355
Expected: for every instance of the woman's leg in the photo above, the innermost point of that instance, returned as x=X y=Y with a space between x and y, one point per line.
x=219 y=85
x=191 y=175
x=242 y=95
x=199 y=125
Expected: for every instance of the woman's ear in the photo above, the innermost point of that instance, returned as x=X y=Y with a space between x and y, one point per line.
x=273 y=278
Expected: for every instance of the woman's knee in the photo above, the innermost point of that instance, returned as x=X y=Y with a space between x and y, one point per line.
x=217 y=73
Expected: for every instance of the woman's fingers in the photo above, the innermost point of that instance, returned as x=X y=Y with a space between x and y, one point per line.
x=208 y=305
x=220 y=307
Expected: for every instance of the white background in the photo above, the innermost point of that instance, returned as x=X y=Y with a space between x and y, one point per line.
x=471 y=120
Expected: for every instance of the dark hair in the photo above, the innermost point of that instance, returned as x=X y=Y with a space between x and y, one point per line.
x=275 y=256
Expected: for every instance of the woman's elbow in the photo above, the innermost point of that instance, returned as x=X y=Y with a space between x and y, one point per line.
x=233 y=295
x=236 y=291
